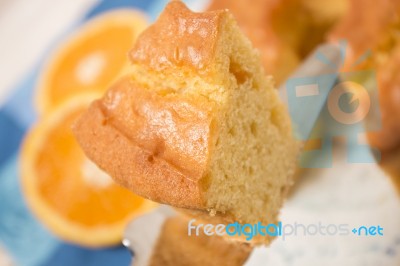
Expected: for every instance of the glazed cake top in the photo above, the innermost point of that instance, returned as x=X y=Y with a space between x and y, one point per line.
x=179 y=37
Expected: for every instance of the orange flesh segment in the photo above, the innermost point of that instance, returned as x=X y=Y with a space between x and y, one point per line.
x=110 y=46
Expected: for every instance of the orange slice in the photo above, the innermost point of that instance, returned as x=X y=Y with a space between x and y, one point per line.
x=67 y=192
x=90 y=59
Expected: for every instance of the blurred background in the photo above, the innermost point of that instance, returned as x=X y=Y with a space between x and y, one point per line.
x=58 y=208
x=27 y=31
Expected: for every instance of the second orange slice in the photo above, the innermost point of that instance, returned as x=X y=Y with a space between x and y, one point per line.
x=90 y=59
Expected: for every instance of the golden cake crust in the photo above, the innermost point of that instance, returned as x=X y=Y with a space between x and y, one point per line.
x=151 y=140
x=180 y=38
x=157 y=146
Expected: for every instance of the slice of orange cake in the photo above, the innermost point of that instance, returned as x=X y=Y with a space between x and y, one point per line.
x=197 y=124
